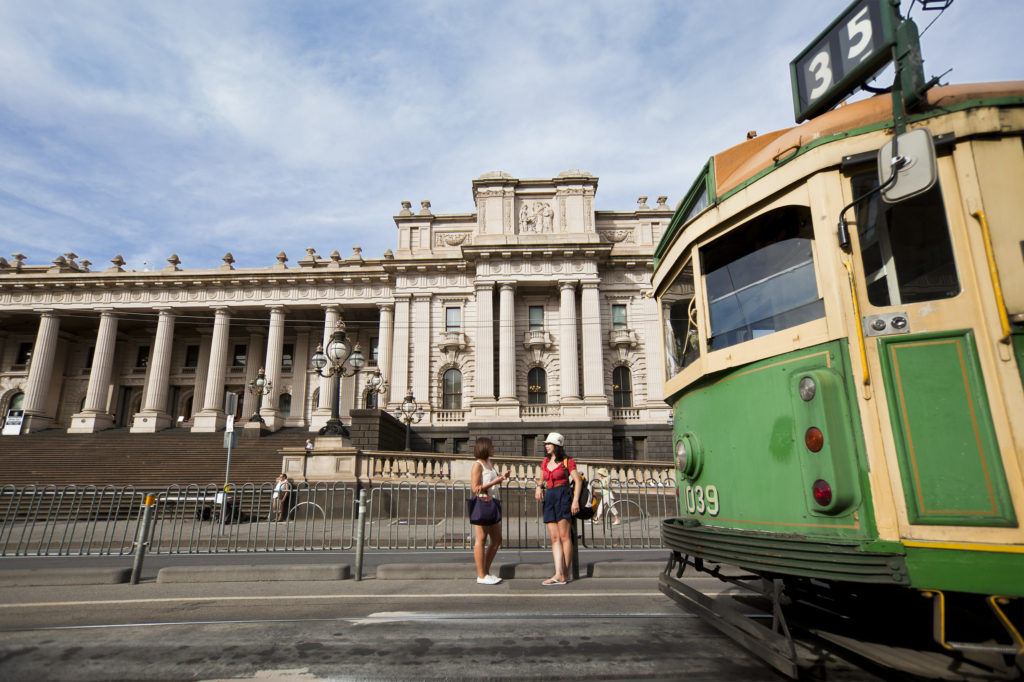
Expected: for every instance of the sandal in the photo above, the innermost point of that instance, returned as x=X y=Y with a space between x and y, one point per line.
x=552 y=581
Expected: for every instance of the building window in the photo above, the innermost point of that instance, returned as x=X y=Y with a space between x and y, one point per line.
x=536 y=318
x=142 y=357
x=287 y=357
x=192 y=356
x=438 y=444
x=461 y=446
x=371 y=400
x=452 y=390
x=622 y=387
x=23 y=356
x=639 y=447
x=88 y=357
x=238 y=357
x=374 y=354
x=529 y=446
x=537 y=386
x=452 y=319
x=284 y=404
x=619 y=316
x=618 y=448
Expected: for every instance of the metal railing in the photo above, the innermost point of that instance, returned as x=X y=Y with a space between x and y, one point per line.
x=194 y=519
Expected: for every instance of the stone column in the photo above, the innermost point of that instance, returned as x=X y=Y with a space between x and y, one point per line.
x=385 y=330
x=322 y=413
x=254 y=353
x=652 y=336
x=37 y=387
x=94 y=415
x=506 y=343
x=301 y=375
x=593 y=354
x=212 y=416
x=568 y=345
x=272 y=366
x=202 y=369
x=400 y=352
x=421 y=336
x=153 y=416
x=484 y=354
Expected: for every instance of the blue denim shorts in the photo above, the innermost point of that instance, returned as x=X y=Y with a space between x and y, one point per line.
x=558 y=504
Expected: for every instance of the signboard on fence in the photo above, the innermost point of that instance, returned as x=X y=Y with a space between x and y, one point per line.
x=12 y=425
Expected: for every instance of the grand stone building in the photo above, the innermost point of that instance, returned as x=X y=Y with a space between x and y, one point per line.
x=532 y=313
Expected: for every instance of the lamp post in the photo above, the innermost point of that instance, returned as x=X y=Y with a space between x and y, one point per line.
x=410 y=413
x=259 y=387
x=332 y=363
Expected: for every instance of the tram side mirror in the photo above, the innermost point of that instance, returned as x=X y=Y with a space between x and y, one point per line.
x=911 y=156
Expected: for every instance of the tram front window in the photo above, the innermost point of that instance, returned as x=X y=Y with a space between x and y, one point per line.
x=682 y=345
x=760 y=278
x=905 y=247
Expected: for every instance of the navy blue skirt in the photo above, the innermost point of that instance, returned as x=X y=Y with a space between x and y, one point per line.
x=558 y=504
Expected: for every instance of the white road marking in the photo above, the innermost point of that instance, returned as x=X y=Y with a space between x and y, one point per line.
x=310 y=597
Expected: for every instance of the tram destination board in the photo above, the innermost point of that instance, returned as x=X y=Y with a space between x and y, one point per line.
x=852 y=49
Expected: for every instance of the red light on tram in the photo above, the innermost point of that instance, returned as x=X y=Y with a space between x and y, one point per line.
x=822 y=492
x=814 y=439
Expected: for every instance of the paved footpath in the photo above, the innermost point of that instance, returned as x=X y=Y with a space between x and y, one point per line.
x=316 y=566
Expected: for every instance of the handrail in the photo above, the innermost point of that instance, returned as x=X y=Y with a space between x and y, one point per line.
x=860 y=331
x=993 y=273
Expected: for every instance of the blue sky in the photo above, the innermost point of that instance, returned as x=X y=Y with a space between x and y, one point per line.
x=198 y=128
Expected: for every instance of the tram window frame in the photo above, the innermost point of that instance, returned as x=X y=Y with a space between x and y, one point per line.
x=765 y=268
x=917 y=248
x=679 y=318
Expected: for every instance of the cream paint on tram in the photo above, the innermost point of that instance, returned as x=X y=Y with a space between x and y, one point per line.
x=825 y=190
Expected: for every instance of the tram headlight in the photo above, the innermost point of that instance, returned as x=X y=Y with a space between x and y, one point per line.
x=681 y=454
x=689 y=455
x=807 y=389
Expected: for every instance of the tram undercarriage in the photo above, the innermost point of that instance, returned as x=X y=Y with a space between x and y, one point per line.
x=795 y=624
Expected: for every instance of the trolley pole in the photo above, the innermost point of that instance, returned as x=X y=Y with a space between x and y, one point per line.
x=142 y=539
x=360 y=532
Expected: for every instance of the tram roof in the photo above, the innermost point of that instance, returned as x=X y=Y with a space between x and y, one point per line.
x=738 y=164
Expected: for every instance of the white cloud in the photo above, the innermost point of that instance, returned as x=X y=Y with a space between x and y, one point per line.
x=255 y=127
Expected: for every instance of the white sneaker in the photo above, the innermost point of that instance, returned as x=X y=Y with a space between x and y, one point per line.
x=489 y=580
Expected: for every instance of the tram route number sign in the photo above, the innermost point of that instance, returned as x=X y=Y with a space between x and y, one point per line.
x=848 y=53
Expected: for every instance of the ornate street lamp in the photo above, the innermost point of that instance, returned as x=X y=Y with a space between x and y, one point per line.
x=332 y=363
x=375 y=385
x=259 y=387
x=410 y=413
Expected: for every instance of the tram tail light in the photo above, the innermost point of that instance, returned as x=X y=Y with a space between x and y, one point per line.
x=814 y=439
x=822 y=492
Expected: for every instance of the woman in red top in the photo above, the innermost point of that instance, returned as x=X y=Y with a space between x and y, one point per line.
x=561 y=501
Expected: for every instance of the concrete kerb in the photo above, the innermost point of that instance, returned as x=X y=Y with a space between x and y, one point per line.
x=317 y=572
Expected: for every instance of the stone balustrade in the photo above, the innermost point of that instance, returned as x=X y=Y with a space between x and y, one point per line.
x=380 y=465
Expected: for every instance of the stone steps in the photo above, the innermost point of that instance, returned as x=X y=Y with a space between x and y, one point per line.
x=116 y=457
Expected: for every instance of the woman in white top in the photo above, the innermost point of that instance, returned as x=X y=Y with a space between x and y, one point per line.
x=483 y=480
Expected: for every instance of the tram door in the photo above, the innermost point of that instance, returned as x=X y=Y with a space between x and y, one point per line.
x=928 y=370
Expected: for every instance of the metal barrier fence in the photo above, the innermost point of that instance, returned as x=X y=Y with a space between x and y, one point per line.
x=193 y=519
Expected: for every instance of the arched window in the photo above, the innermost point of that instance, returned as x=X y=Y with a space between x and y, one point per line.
x=451 y=398
x=17 y=401
x=284 y=404
x=537 y=386
x=622 y=387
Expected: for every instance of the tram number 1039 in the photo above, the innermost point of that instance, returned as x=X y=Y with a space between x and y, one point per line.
x=701 y=499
